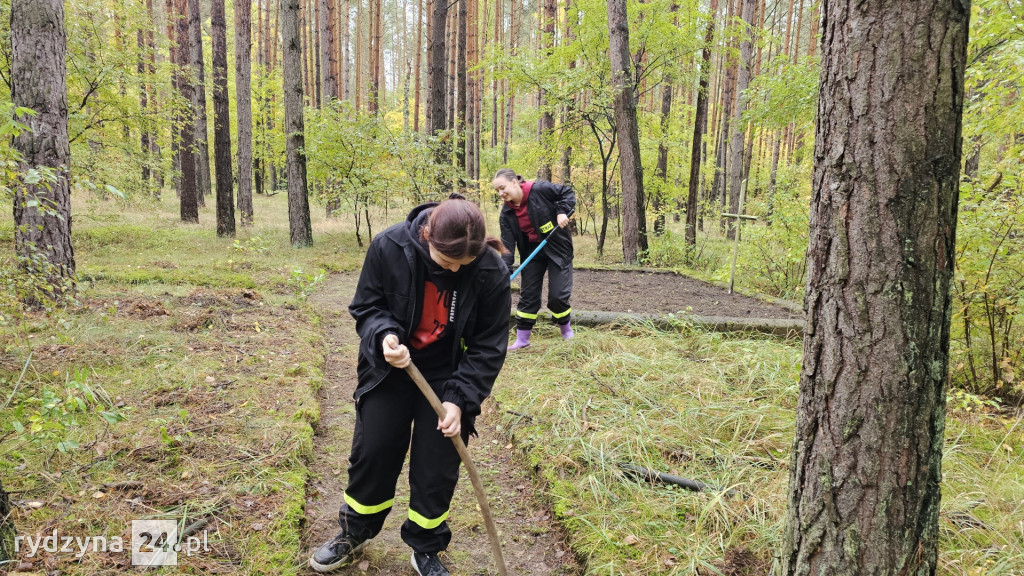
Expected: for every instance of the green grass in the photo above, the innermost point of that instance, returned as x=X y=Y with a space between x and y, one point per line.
x=209 y=349
x=215 y=356
x=718 y=409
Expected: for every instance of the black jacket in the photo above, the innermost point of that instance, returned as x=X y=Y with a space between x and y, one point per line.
x=386 y=300
x=545 y=202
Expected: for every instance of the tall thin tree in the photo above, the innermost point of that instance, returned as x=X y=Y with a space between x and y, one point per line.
x=221 y=121
x=865 y=475
x=198 y=73
x=188 y=185
x=328 y=50
x=700 y=123
x=631 y=170
x=243 y=97
x=42 y=211
x=298 y=199
x=737 y=125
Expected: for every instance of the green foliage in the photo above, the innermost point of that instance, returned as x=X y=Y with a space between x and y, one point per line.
x=304 y=283
x=51 y=418
x=789 y=94
x=356 y=160
x=987 y=337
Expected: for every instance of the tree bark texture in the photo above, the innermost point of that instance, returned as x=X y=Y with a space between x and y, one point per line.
x=189 y=191
x=42 y=212
x=737 y=125
x=243 y=97
x=547 y=119
x=437 y=79
x=222 y=121
x=864 y=478
x=700 y=124
x=461 y=85
x=634 y=224
x=328 y=51
x=202 y=150
x=298 y=200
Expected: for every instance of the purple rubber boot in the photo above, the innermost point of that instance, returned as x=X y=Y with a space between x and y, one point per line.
x=522 y=340
x=567 y=332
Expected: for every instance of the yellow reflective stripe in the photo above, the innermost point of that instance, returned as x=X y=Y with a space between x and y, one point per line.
x=364 y=509
x=545 y=228
x=424 y=522
x=563 y=314
x=522 y=314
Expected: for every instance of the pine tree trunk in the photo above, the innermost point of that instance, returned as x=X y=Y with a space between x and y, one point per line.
x=719 y=182
x=298 y=201
x=243 y=97
x=222 y=121
x=509 y=98
x=144 y=87
x=416 y=65
x=202 y=149
x=189 y=190
x=328 y=51
x=864 y=490
x=42 y=212
x=373 y=100
x=461 y=142
x=346 y=58
x=547 y=119
x=634 y=220
x=437 y=79
x=700 y=123
x=736 y=141
x=314 y=17
x=359 y=54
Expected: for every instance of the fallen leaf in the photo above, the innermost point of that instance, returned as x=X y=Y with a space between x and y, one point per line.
x=211 y=379
x=257 y=526
x=34 y=504
x=630 y=540
x=364 y=565
x=98 y=494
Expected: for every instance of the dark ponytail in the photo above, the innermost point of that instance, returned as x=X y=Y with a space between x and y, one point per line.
x=458 y=230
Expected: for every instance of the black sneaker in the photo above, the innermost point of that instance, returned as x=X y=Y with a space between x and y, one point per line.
x=335 y=553
x=428 y=565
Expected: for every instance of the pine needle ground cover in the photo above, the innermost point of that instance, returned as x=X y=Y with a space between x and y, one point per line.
x=718 y=409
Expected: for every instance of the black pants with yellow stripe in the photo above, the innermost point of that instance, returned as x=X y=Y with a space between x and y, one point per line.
x=559 y=291
x=384 y=416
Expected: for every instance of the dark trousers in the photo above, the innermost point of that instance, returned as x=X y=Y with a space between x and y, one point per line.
x=384 y=416
x=559 y=291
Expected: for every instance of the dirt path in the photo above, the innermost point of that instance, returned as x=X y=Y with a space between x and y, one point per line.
x=530 y=541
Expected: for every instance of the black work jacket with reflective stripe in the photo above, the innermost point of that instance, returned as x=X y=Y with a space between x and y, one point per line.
x=546 y=201
x=386 y=300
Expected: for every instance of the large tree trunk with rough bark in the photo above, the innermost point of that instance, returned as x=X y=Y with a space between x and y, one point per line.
x=202 y=149
x=221 y=121
x=243 y=96
x=634 y=221
x=866 y=467
x=294 y=129
x=42 y=212
x=700 y=124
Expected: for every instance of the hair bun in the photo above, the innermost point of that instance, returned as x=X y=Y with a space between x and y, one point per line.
x=456 y=196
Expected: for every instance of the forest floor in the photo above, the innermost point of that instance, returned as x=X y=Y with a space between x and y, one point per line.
x=231 y=362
